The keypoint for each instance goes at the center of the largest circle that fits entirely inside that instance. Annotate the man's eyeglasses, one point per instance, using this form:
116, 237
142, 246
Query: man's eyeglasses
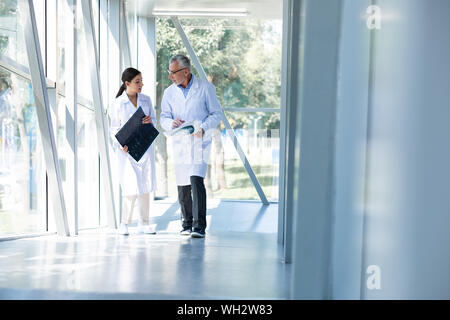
173, 72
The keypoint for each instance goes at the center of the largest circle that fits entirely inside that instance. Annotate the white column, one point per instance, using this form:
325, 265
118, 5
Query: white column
314, 135
225, 121
292, 56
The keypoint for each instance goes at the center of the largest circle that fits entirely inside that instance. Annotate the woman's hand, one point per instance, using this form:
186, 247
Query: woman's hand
146, 119
125, 149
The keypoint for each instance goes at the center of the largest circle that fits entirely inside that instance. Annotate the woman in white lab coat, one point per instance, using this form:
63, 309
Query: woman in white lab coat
137, 179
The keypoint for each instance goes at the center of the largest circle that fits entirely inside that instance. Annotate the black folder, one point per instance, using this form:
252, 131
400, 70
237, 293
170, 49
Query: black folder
137, 136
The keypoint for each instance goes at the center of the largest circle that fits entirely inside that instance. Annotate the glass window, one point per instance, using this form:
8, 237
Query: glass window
83, 60
60, 47
22, 172
12, 43
88, 157
88, 169
227, 177
242, 58
132, 17
64, 113
64, 146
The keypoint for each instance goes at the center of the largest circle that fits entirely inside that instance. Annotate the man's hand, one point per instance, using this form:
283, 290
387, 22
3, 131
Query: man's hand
146, 119
177, 122
125, 149
199, 133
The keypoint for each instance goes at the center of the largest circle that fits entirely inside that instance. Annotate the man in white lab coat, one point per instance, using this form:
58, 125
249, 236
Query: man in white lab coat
190, 99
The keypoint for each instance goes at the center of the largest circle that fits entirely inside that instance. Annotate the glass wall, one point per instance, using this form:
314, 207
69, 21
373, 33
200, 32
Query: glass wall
22, 172
23, 183
88, 169
88, 157
132, 18
12, 44
242, 58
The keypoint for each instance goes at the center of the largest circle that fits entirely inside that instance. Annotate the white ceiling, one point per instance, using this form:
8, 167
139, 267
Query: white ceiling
258, 9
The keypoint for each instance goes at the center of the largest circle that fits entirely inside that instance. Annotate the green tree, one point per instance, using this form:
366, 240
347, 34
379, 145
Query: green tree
241, 57
237, 57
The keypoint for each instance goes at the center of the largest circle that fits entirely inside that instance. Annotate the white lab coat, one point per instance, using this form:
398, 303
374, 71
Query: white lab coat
135, 178
191, 154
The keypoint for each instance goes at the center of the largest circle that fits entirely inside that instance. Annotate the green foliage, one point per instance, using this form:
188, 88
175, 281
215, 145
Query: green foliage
3, 43
242, 58
8, 7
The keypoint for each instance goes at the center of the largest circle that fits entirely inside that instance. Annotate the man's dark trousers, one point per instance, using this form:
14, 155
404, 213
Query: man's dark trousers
193, 208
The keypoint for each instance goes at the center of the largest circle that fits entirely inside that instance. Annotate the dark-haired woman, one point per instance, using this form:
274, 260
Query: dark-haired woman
137, 179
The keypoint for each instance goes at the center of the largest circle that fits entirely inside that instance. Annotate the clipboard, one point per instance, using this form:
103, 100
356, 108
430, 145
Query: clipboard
186, 128
136, 135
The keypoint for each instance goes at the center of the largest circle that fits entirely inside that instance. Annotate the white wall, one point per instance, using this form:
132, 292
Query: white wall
407, 210
392, 160
385, 202
350, 157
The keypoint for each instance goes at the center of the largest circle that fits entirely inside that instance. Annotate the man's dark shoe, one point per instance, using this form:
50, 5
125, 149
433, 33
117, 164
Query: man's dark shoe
198, 233
186, 231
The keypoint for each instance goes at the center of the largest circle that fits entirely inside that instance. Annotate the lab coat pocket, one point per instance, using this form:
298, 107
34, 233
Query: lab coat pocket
182, 151
197, 150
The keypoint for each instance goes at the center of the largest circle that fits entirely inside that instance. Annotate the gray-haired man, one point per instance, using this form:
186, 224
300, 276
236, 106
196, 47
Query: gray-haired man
190, 99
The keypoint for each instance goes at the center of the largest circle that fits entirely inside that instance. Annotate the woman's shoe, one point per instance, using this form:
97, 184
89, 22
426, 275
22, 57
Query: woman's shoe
147, 229
123, 229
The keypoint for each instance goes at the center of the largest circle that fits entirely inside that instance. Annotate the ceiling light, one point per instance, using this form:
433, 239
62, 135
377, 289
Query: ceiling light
198, 12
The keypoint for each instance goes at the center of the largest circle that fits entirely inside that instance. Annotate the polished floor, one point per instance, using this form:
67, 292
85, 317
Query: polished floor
238, 259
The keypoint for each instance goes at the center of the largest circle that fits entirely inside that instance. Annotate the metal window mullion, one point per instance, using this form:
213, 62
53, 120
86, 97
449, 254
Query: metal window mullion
103, 47
114, 65
100, 117
38, 80
71, 101
20, 70
14, 67
229, 130
124, 36
75, 116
